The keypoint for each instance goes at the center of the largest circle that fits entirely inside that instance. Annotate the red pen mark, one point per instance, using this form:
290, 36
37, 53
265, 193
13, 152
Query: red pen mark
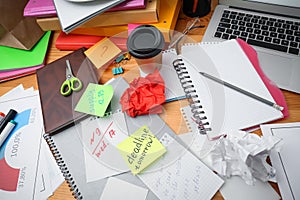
101, 149
104, 50
98, 132
102, 137
112, 133
92, 139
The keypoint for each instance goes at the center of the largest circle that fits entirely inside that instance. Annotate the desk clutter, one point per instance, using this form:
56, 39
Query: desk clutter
105, 135
98, 145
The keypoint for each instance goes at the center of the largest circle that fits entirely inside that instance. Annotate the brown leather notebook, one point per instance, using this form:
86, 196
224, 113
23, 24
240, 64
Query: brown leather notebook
58, 110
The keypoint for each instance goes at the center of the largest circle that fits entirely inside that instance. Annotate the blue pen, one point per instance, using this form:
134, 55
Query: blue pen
7, 130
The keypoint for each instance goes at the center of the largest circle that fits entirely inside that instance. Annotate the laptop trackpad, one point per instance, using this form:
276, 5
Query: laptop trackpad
277, 68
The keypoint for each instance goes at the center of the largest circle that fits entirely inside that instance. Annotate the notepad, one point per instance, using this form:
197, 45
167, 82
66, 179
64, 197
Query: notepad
219, 108
184, 178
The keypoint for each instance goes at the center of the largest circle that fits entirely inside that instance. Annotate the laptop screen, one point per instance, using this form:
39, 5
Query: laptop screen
288, 3
284, 7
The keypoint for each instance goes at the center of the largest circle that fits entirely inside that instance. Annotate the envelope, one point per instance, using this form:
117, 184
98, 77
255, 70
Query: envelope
16, 30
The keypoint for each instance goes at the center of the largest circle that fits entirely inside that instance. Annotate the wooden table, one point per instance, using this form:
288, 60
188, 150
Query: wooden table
63, 192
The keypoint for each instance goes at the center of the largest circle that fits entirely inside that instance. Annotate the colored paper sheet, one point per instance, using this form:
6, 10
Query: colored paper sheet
95, 99
102, 52
26, 58
141, 149
16, 73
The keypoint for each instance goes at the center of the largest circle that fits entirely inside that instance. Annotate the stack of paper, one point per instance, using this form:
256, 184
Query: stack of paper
27, 167
100, 13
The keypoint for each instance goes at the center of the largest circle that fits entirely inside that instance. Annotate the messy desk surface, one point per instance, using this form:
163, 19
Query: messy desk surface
171, 109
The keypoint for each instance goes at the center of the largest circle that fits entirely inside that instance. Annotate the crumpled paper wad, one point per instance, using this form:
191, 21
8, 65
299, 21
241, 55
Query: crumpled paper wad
243, 154
145, 95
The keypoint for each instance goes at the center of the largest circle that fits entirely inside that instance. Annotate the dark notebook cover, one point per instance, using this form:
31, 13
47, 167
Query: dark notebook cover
58, 110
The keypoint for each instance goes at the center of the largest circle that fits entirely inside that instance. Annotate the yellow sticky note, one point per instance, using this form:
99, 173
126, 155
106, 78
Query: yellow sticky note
102, 52
141, 149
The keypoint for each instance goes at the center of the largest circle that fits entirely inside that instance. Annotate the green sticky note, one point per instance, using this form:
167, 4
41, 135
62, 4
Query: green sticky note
95, 99
141, 149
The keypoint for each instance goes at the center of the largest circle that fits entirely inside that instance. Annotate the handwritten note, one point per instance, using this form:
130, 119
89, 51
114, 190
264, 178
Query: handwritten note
141, 149
100, 137
183, 178
95, 99
102, 52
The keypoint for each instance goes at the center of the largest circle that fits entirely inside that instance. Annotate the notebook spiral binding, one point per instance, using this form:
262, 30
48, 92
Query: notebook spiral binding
193, 99
63, 167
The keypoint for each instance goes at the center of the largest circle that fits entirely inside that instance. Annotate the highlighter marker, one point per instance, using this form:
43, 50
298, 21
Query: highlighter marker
10, 116
7, 130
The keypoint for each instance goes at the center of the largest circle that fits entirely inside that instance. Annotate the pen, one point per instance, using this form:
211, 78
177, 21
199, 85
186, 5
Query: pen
10, 115
7, 130
276, 106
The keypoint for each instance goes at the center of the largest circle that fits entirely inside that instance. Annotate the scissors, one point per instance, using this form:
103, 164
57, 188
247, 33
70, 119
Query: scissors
71, 83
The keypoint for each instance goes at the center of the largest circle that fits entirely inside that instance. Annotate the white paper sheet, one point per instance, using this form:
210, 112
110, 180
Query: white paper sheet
102, 159
185, 177
286, 161
235, 188
119, 189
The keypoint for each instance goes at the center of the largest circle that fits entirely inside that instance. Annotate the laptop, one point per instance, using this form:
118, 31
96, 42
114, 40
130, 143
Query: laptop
271, 27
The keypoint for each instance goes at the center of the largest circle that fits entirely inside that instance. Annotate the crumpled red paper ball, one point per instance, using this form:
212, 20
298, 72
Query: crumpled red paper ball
145, 95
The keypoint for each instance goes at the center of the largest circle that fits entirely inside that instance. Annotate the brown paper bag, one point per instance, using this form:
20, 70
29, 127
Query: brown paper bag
16, 30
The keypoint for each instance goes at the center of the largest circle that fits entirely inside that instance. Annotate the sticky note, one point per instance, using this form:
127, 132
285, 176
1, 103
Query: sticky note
102, 52
95, 99
141, 149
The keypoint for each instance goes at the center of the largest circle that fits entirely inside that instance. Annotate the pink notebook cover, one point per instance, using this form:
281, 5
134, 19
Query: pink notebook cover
275, 92
46, 8
12, 74
39, 8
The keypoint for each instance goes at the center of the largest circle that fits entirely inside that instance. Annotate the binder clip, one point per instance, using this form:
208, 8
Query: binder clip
117, 70
123, 57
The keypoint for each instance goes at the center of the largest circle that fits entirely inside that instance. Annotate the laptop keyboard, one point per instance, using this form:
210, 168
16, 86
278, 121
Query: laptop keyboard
267, 32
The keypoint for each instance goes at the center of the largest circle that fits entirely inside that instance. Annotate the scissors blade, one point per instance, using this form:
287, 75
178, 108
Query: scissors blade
69, 73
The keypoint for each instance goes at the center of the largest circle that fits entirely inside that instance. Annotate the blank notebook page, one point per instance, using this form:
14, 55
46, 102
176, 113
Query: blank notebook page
225, 108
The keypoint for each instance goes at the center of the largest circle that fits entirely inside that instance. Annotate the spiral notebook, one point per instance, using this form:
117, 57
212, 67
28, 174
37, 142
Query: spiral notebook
216, 108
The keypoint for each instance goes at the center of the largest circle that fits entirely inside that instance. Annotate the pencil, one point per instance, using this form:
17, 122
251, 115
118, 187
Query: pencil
254, 96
